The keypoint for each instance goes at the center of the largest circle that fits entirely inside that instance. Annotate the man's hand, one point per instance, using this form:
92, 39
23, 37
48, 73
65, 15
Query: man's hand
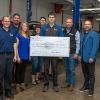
19, 60
75, 56
91, 60
14, 59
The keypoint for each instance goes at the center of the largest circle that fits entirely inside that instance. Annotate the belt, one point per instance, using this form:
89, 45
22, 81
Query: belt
6, 53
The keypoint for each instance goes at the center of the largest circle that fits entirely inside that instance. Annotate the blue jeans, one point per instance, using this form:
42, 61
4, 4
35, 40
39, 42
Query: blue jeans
70, 69
36, 65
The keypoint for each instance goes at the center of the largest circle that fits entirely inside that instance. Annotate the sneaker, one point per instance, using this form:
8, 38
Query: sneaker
56, 88
38, 81
90, 93
18, 88
83, 89
22, 86
45, 88
33, 82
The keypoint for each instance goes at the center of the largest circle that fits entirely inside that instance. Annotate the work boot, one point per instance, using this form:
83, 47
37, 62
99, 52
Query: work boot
71, 88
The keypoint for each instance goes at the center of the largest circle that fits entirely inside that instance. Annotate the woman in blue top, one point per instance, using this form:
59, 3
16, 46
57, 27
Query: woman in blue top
22, 56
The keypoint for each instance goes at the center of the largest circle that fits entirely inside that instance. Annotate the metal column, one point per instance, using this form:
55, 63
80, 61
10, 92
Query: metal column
28, 10
76, 13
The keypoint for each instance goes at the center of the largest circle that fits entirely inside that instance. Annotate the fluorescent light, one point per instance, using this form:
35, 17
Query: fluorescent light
71, 1
90, 9
98, 0
98, 19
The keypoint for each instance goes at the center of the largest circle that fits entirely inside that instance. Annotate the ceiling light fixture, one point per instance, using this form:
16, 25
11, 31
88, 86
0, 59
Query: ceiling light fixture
98, 19
90, 9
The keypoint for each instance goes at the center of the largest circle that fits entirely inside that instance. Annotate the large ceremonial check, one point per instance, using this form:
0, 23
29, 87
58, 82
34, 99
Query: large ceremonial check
49, 46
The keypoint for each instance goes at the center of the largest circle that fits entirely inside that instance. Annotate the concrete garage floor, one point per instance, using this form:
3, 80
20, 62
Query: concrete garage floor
35, 92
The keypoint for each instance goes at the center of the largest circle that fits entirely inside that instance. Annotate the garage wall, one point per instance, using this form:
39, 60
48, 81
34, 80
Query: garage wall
19, 7
4, 7
38, 9
42, 9
96, 25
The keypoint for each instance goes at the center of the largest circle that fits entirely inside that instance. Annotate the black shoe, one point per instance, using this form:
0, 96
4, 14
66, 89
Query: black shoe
90, 93
83, 89
9, 95
68, 85
56, 88
45, 88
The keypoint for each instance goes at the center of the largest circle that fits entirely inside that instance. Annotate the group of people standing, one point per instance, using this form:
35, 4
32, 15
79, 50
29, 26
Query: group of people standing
14, 54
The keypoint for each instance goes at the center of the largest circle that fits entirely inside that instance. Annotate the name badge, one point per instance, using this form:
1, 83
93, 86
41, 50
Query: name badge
55, 29
71, 34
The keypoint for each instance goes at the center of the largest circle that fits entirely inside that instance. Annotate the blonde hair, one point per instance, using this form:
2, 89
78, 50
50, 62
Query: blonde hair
20, 30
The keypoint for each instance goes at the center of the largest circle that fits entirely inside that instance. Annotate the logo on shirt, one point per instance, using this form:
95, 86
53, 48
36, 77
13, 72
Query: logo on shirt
71, 34
10, 34
55, 29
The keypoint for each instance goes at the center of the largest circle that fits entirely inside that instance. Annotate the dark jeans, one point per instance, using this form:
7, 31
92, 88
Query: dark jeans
89, 75
20, 71
36, 65
53, 61
6, 67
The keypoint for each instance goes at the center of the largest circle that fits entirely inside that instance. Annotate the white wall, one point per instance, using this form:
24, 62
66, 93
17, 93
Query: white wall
4, 8
38, 9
